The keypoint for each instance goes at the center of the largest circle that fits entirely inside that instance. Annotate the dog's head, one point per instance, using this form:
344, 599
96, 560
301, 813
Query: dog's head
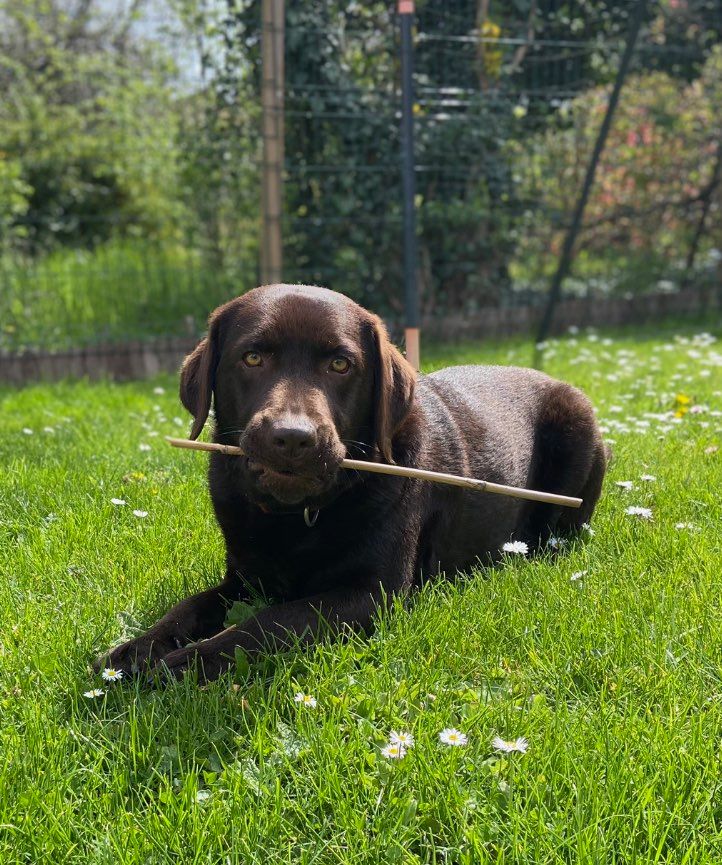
301, 377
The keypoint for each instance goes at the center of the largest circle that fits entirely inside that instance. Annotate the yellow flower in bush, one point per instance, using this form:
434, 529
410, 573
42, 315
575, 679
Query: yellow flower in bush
491, 56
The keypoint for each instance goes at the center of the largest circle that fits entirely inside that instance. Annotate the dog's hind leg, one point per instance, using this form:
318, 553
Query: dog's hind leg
571, 520
568, 458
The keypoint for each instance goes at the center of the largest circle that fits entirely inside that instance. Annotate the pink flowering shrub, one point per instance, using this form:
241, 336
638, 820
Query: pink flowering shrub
658, 161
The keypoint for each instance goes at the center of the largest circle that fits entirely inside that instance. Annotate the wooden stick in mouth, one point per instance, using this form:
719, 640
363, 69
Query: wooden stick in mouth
404, 472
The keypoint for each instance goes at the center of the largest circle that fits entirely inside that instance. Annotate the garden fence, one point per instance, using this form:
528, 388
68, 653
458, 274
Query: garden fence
509, 97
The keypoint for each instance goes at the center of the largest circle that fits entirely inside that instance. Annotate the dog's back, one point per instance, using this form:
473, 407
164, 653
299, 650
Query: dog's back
513, 426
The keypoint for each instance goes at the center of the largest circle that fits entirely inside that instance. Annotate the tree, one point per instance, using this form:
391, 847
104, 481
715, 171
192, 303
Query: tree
87, 118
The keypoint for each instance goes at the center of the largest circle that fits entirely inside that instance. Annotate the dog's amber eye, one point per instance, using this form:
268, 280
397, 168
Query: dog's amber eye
340, 364
252, 358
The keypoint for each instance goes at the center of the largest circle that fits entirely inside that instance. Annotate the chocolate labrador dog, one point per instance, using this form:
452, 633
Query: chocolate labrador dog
301, 377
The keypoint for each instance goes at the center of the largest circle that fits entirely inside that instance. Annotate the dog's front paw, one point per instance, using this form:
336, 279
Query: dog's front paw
137, 656
207, 661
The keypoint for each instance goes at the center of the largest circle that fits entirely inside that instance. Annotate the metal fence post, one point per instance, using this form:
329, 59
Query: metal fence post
272, 84
411, 294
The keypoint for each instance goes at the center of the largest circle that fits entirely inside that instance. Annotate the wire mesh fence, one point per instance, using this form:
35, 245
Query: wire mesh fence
507, 110
131, 206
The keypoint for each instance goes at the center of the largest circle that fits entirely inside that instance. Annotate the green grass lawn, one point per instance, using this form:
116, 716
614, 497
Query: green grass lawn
606, 658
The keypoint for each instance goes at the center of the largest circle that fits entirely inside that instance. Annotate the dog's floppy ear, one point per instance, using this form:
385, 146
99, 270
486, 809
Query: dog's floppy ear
394, 383
197, 378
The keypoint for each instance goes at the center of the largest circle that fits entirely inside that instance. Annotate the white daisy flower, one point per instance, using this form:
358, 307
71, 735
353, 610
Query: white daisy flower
517, 547
578, 575
305, 699
450, 736
48, 429
159, 390
648, 478
634, 511
203, 795
143, 447
624, 485
393, 751
588, 529
27, 431
681, 526
140, 514
406, 740
117, 501
92, 694
520, 745
112, 675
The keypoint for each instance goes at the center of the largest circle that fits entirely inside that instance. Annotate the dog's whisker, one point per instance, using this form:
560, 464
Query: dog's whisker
230, 431
352, 447
362, 446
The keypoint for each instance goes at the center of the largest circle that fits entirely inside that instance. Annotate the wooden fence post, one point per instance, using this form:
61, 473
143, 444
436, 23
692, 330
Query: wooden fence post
272, 84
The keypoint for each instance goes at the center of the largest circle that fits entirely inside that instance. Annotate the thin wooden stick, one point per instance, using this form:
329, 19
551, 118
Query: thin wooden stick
404, 472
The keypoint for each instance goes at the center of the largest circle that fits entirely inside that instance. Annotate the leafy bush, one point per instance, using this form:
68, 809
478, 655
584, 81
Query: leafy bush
88, 117
651, 182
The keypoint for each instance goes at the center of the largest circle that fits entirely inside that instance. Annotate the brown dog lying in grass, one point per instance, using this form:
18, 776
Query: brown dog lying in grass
301, 377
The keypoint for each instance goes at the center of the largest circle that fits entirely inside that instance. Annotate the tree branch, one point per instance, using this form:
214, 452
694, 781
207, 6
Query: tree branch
522, 50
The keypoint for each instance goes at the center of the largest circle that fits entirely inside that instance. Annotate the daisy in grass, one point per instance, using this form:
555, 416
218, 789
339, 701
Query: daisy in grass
143, 447
305, 700
588, 529
140, 514
578, 575
450, 736
556, 543
393, 751
92, 694
406, 740
643, 513
520, 745
648, 478
117, 501
516, 547
112, 675
624, 485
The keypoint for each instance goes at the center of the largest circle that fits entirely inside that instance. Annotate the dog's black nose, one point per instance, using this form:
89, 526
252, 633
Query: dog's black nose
292, 436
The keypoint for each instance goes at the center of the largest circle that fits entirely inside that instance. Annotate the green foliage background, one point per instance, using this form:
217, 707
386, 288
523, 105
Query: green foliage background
130, 155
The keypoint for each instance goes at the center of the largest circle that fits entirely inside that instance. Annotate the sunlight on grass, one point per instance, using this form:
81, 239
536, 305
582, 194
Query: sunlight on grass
604, 659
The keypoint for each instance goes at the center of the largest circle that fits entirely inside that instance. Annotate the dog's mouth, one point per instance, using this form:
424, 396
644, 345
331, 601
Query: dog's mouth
286, 484
263, 470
